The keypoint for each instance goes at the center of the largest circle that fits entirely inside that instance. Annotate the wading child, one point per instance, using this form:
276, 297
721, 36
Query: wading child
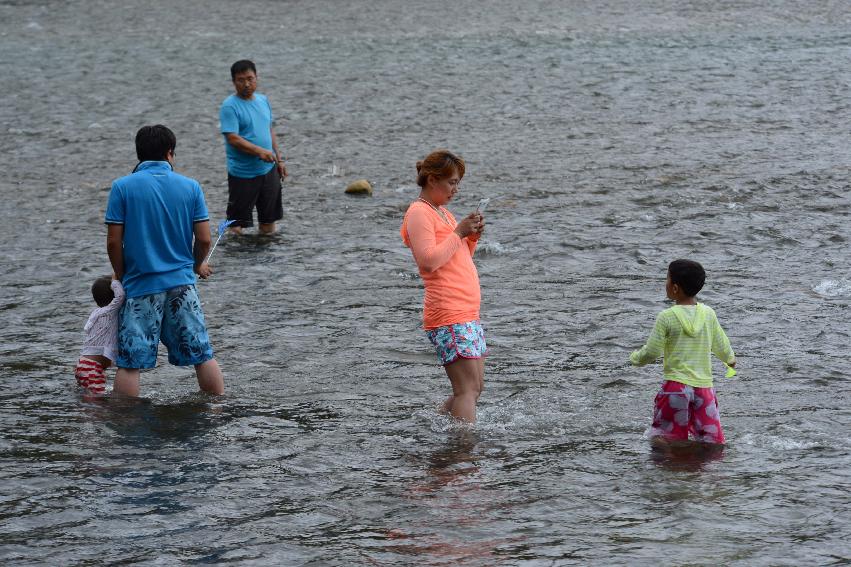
101, 335
685, 335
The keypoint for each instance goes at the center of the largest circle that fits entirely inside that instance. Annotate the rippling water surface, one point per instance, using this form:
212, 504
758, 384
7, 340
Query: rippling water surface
613, 138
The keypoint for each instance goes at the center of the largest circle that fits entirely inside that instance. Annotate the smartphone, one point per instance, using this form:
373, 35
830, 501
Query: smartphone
483, 203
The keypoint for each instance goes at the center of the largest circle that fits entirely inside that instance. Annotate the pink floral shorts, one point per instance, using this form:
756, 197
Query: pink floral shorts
682, 410
465, 340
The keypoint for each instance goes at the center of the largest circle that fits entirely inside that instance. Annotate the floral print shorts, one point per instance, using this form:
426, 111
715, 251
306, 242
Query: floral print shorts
683, 410
173, 316
465, 340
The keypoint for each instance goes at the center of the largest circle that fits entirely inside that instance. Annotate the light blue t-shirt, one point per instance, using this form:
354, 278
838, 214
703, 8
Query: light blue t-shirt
159, 209
252, 120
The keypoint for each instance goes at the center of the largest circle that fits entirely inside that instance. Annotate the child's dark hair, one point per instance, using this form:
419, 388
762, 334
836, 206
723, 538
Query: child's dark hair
102, 291
687, 274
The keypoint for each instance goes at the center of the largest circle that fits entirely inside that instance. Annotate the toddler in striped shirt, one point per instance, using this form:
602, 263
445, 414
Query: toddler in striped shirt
101, 335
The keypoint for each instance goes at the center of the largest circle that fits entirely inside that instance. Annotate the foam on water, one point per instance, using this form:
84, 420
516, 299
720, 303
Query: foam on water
833, 288
777, 442
491, 248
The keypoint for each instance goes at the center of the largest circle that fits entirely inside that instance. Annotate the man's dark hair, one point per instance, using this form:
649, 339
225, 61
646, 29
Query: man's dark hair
687, 274
154, 142
241, 66
102, 291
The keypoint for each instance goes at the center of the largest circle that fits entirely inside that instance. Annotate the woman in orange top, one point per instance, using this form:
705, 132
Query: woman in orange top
443, 249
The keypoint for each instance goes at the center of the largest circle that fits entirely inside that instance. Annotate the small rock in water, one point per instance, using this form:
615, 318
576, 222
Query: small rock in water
359, 187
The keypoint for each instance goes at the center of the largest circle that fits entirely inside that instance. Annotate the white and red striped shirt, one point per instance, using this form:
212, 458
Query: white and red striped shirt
101, 330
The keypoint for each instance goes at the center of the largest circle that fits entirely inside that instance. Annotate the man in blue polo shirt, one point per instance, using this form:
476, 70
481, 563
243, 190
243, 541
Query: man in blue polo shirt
152, 216
255, 168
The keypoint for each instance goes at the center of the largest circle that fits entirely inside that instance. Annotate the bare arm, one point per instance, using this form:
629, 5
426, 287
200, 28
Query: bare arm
115, 248
282, 169
247, 147
274, 142
201, 247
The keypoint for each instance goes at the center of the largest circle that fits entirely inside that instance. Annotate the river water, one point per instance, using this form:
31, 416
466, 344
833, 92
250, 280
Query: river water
612, 136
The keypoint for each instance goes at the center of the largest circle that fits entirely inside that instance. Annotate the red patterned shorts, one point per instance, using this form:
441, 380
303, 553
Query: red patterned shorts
91, 375
683, 410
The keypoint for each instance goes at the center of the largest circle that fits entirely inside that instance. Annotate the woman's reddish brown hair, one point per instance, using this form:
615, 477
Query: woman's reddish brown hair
440, 164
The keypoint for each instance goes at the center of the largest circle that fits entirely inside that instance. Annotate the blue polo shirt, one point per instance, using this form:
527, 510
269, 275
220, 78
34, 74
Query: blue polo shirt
252, 120
158, 209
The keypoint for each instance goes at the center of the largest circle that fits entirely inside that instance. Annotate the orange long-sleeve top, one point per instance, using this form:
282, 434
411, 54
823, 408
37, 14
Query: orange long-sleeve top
445, 262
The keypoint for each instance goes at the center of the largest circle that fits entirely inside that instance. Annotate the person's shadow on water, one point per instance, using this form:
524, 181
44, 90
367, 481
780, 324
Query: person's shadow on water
686, 456
143, 422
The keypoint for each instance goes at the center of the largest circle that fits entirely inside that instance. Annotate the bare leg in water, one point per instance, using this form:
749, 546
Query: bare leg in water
467, 376
209, 375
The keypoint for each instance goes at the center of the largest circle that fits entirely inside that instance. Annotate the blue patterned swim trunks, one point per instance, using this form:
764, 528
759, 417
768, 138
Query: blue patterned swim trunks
465, 340
173, 316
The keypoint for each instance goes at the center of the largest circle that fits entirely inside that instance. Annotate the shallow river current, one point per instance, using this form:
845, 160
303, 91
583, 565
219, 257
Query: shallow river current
612, 136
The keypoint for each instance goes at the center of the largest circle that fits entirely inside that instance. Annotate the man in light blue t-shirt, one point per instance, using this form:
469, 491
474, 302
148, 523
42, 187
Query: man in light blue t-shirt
158, 238
255, 167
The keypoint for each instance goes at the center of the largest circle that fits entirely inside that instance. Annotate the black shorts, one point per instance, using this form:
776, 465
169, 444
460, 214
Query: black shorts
263, 191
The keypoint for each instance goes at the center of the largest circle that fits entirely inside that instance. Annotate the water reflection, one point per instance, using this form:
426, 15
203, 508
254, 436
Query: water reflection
140, 421
453, 462
686, 456
452, 490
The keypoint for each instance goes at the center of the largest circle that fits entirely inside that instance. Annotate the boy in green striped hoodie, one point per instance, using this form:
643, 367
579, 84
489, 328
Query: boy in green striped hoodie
686, 335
